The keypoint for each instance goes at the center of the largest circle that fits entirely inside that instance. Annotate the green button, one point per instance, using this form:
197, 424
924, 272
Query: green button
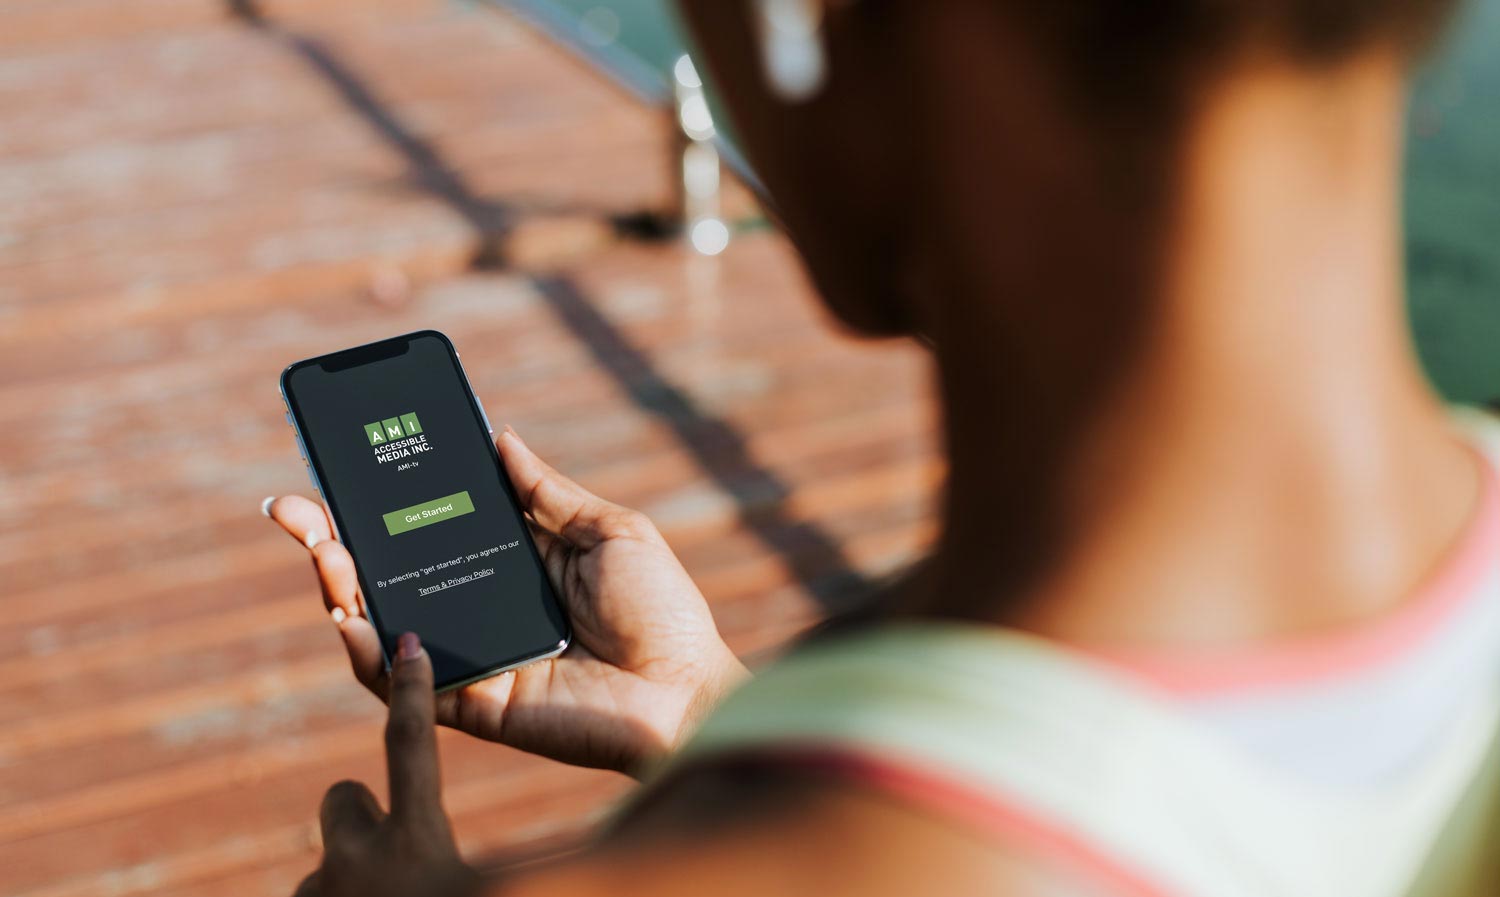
428, 513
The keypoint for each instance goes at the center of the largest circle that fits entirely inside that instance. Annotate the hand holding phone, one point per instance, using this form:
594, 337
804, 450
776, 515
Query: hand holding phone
646, 658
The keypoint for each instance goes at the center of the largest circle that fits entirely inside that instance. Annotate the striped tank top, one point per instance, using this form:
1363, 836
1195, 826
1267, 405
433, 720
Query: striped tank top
1359, 765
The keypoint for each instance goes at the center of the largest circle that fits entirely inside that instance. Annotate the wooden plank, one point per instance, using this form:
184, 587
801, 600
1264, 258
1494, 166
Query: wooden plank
187, 203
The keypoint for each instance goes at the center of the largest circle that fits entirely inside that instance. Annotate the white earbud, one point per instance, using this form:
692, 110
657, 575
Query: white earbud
791, 47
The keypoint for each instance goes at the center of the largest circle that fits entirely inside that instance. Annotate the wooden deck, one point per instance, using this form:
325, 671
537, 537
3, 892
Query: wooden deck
193, 195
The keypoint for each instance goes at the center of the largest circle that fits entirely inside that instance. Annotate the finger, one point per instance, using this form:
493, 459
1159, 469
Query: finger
410, 736
336, 575
305, 520
479, 708
349, 816
554, 552
557, 554
363, 645
341, 596
560, 505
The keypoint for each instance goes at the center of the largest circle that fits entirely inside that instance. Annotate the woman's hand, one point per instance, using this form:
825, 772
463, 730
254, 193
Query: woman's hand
646, 660
370, 853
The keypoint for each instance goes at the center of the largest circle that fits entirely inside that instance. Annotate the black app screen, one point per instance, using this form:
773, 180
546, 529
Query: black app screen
415, 486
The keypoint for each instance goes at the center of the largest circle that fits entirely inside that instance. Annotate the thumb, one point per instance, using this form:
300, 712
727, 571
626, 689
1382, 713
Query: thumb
558, 504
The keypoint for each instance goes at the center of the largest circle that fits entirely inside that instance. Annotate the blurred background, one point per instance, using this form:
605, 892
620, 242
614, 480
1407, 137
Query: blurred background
194, 194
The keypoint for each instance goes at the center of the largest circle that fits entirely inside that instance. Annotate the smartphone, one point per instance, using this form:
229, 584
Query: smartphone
403, 455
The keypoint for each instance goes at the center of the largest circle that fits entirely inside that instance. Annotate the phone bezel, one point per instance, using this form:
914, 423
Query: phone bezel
391, 347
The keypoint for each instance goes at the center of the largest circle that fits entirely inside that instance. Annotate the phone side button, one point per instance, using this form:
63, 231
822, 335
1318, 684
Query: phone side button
485, 415
314, 480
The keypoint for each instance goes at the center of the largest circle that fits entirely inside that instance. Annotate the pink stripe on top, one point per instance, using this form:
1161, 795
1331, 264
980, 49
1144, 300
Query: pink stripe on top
924, 785
1440, 599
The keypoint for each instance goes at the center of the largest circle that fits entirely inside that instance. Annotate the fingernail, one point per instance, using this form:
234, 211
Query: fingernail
408, 646
311, 541
513, 434
338, 615
265, 504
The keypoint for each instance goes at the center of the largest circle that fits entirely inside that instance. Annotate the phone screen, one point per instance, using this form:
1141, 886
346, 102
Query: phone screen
406, 464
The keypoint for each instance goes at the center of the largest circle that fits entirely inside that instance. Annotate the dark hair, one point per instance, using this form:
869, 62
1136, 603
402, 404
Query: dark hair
1131, 67
1114, 50
1319, 31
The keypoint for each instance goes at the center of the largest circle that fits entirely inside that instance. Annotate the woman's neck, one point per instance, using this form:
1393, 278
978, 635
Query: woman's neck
1271, 461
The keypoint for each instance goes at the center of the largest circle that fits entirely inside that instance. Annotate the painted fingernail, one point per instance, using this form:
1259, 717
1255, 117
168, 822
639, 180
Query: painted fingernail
311, 541
408, 646
338, 615
265, 504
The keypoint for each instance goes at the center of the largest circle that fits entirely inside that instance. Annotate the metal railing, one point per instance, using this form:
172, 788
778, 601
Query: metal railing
657, 69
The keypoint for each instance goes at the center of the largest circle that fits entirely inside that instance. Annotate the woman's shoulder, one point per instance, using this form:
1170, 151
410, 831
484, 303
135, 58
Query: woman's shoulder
732, 831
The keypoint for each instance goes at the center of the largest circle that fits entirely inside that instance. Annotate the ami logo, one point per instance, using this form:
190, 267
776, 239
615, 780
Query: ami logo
391, 428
